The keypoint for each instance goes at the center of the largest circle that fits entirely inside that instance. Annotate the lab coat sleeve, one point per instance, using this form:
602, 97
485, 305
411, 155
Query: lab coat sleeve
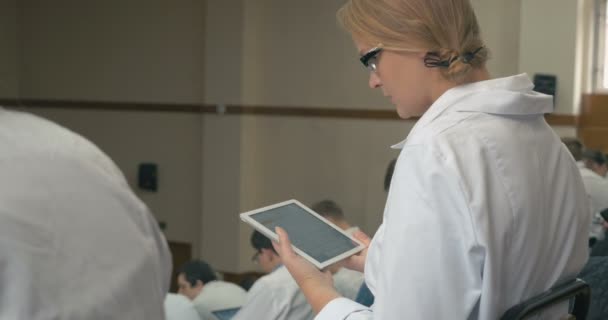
427, 262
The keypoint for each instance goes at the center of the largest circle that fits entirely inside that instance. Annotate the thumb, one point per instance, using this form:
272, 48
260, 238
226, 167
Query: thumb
283, 247
362, 237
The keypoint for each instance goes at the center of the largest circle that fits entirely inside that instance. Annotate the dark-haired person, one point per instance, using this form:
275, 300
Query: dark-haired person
198, 281
593, 167
595, 161
275, 296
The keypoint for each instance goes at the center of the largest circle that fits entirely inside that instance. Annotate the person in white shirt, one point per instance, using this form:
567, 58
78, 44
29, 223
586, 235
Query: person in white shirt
592, 171
75, 241
198, 281
596, 161
275, 296
347, 282
178, 307
486, 207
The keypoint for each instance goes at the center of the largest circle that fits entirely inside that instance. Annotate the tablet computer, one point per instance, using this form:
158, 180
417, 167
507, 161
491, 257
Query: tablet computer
313, 237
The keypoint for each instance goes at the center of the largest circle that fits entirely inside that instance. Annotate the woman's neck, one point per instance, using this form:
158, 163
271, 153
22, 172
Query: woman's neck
477, 75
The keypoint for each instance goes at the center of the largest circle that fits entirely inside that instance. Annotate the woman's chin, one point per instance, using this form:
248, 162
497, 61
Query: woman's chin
403, 114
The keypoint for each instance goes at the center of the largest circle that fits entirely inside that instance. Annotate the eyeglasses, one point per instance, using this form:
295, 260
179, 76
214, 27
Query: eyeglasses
256, 257
370, 59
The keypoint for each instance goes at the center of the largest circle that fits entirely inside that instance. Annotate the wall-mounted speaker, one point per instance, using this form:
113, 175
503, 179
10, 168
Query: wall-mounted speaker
546, 83
147, 176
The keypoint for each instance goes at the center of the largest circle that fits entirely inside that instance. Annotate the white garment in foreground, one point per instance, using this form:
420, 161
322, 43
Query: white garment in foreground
219, 295
275, 296
596, 187
75, 242
486, 209
178, 307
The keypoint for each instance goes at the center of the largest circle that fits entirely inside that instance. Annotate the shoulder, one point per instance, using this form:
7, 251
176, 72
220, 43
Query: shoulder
224, 286
277, 281
24, 135
179, 307
33, 132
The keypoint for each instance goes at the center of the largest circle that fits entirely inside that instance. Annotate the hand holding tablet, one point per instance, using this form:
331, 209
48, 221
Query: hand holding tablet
312, 236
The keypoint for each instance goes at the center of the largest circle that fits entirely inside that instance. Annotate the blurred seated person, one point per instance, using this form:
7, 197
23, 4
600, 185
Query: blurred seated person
275, 296
591, 166
75, 241
595, 161
178, 307
198, 281
347, 282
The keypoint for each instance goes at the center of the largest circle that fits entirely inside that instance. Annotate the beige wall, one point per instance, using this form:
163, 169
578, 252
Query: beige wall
138, 50
548, 44
294, 53
9, 49
221, 197
565, 131
500, 24
585, 35
223, 55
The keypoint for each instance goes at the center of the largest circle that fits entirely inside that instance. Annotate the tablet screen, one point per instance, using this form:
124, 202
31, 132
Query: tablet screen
306, 232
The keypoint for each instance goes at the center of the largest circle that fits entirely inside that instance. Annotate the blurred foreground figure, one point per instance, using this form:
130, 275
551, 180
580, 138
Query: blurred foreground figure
75, 242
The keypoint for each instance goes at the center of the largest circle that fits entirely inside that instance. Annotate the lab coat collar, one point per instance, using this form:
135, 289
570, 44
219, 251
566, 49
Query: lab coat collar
503, 96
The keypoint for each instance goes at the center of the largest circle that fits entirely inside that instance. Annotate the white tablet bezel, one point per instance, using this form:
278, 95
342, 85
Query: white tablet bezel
246, 217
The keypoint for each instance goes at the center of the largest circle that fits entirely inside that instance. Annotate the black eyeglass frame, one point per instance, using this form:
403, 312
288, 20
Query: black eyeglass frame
431, 60
370, 58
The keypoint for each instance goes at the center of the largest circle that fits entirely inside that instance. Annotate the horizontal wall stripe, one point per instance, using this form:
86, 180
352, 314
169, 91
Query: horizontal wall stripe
287, 111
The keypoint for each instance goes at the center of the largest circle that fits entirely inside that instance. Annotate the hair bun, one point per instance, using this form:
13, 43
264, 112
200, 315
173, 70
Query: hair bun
455, 65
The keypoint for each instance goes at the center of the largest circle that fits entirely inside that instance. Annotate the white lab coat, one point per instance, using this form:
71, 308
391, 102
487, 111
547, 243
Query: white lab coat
597, 189
219, 295
275, 296
178, 307
75, 242
486, 209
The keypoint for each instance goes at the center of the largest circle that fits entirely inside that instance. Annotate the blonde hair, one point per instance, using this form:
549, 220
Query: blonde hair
446, 28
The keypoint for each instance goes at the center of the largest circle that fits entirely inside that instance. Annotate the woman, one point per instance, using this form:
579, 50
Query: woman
486, 207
